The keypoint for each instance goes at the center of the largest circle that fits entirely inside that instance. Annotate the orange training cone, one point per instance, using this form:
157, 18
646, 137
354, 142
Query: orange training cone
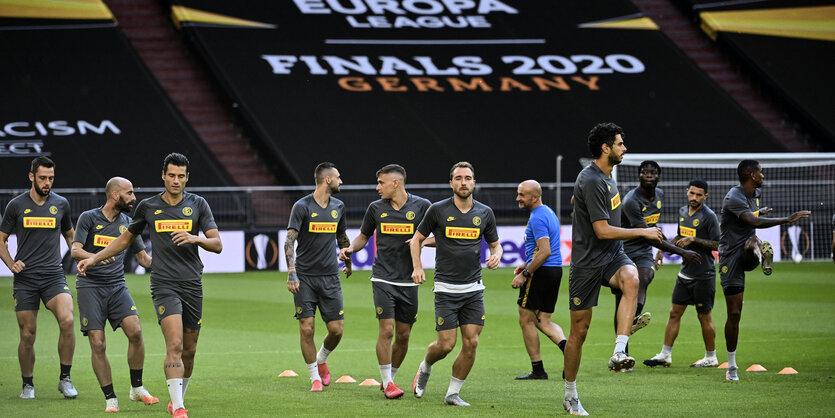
755, 368
288, 373
370, 382
723, 365
788, 370
346, 379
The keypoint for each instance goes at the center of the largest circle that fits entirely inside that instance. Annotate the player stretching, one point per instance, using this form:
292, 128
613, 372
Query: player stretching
597, 256
458, 224
316, 220
103, 294
538, 279
40, 217
174, 219
698, 229
394, 219
739, 248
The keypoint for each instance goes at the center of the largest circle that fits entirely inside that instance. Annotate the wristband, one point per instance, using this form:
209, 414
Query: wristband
526, 273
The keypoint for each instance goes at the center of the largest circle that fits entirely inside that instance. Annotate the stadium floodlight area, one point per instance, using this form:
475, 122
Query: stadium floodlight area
793, 181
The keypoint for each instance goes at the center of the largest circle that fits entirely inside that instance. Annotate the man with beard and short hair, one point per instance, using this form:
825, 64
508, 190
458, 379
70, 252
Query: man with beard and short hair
102, 292
538, 279
642, 209
175, 219
597, 257
316, 220
458, 225
698, 228
40, 217
393, 219
739, 248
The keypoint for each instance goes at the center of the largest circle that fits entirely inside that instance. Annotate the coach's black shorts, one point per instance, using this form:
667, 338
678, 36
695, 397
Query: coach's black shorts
584, 283
700, 293
179, 298
106, 303
539, 293
398, 302
29, 292
455, 309
323, 292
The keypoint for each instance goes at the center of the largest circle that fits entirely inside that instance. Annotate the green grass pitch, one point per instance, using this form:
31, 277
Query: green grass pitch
249, 336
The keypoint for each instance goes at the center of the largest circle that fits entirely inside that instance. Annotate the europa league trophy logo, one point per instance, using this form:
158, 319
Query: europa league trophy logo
261, 252
261, 242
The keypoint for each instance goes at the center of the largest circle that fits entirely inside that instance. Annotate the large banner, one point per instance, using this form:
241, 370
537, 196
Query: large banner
505, 84
73, 89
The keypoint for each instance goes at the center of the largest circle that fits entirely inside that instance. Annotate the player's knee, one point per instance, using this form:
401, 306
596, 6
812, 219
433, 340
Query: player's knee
174, 346
189, 352
98, 345
27, 336
403, 336
734, 315
135, 337
65, 323
470, 343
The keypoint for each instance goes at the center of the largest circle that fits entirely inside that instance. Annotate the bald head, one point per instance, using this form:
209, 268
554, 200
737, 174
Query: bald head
116, 184
528, 194
119, 192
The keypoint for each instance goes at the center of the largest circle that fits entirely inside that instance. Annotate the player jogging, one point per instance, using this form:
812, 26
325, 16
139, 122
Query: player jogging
392, 220
102, 293
458, 224
40, 218
174, 219
317, 221
698, 229
739, 248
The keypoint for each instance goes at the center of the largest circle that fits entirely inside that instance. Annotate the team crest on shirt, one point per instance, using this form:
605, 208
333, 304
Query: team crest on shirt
476, 221
658, 204
298, 309
410, 215
53, 210
161, 309
187, 211
724, 269
84, 321
122, 229
576, 301
384, 214
379, 310
27, 211
334, 214
695, 222
440, 320
99, 226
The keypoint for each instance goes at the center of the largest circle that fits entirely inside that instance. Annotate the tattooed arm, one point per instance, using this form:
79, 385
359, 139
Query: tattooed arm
344, 242
290, 256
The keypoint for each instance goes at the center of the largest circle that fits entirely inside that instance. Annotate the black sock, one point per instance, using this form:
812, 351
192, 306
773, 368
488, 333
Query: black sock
640, 308
136, 378
65, 370
28, 380
108, 391
537, 367
561, 345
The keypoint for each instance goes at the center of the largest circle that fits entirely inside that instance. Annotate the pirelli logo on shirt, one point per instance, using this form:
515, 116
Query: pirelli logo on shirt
322, 227
616, 201
38, 222
687, 232
462, 233
102, 240
398, 229
652, 219
172, 225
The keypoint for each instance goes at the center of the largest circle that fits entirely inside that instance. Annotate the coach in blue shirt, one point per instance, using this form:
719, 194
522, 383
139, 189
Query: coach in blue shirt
538, 279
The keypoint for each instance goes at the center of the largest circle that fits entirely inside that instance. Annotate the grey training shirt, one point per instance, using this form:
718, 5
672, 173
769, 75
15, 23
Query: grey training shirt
316, 253
393, 260
39, 232
94, 231
734, 232
636, 209
458, 239
172, 262
596, 198
703, 225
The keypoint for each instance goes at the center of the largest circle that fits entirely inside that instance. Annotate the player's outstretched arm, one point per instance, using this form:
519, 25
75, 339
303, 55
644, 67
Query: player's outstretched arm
290, 257
6, 256
759, 223
115, 247
415, 246
605, 231
357, 244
